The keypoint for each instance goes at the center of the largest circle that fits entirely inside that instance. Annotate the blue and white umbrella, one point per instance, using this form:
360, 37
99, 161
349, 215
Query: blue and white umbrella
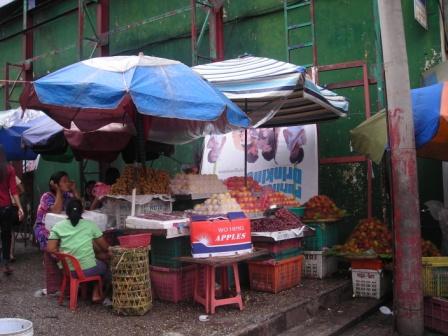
273, 93
13, 123
181, 106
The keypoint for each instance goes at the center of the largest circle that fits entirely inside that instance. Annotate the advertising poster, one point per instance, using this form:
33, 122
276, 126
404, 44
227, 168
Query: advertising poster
283, 158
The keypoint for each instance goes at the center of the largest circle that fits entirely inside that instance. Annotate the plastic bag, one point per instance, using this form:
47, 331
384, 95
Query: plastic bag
440, 213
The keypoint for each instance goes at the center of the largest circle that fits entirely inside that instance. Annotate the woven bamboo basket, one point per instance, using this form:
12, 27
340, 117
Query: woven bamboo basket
130, 281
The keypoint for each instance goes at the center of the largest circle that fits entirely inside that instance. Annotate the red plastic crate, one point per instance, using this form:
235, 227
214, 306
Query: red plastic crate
136, 240
275, 276
280, 246
372, 264
436, 314
173, 285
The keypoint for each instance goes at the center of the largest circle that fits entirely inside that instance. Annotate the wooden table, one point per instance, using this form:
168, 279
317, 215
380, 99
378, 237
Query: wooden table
209, 266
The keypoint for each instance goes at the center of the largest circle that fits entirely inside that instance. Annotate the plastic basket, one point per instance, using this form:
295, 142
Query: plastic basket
369, 283
275, 276
317, 265
435, 276
280, 246
173, 285
326, 235
134, 241
436, 314
165, 251
372, 264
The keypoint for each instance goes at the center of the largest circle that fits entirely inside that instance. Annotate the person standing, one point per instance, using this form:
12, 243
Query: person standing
9, 214
20, 191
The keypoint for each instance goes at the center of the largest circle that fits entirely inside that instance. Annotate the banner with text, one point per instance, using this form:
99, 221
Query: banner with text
284, 158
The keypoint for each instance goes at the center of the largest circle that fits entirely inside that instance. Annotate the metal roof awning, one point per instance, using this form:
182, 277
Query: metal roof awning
273, 93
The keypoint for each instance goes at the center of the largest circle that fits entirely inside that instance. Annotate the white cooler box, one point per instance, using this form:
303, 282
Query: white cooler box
98, 218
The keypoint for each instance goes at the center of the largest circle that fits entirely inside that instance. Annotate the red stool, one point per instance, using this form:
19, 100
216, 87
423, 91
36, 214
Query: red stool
74, 282
207, 297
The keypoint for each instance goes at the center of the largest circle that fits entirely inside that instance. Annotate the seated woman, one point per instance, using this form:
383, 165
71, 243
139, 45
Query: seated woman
54, 201
77, 236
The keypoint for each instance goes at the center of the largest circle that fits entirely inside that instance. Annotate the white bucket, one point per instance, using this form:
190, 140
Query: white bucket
15, 327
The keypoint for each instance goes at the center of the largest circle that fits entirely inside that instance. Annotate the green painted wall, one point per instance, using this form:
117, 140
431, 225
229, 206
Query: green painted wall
345, 31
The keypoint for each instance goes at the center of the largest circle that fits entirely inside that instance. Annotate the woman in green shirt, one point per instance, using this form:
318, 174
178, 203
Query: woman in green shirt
77, 237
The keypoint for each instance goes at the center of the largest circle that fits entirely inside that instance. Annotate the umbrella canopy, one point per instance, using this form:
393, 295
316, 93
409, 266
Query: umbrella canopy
47, 137
104, 90
273, 93
370, 137
13, 123
430, 114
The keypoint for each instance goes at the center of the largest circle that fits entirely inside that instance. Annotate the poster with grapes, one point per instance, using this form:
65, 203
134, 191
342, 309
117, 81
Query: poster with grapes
283, 158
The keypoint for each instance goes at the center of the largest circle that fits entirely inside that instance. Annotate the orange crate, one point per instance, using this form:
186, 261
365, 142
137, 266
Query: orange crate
275, 276
370, 264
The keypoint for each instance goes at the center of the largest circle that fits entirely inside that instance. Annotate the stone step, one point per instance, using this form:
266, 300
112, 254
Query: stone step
336, 319
299, 313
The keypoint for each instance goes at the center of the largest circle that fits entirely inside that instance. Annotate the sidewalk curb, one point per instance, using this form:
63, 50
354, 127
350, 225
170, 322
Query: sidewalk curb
302, 311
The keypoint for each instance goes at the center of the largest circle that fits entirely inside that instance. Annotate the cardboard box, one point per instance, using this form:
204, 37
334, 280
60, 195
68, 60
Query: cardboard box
222, 235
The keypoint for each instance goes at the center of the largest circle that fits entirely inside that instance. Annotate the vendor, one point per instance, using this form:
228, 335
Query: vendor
78, 237
111, 176
54, 201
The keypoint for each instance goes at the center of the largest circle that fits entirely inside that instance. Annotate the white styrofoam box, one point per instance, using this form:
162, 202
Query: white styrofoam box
317, 265
118, 208
135, 222
98, 218
370, 283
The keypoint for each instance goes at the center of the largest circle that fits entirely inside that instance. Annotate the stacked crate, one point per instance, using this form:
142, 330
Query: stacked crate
316, 263
435, 290
369, 278
280, 269
171, 280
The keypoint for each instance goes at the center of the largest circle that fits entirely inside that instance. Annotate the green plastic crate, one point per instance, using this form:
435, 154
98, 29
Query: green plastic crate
284, 254
164, 251
326, 235
300, 211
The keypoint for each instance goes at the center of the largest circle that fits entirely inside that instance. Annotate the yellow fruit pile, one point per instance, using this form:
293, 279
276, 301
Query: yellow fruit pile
146, 180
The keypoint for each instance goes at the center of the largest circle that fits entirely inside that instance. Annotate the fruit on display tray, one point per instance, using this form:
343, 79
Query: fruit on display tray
190, 184
217, 204
429, 249
250, 204
281, 219
322, 207
280, 199
146, 180
254, 199
370, 236
238, 182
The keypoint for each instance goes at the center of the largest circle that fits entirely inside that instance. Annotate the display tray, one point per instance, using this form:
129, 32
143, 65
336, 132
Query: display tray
323, 220
282, 235
189, 197
140, 222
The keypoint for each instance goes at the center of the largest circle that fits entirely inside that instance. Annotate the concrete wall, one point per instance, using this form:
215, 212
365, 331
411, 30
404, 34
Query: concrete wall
345, 31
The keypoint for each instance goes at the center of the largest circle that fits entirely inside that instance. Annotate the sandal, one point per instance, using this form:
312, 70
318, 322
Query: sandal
7, 270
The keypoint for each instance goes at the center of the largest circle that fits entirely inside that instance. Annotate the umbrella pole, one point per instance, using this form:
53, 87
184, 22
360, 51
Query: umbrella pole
245, 147
245, 157
140, 138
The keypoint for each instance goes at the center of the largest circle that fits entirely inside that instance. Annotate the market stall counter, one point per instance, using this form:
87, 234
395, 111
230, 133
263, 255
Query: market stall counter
209, 267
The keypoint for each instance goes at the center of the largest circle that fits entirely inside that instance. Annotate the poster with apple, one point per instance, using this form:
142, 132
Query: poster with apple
283, 158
